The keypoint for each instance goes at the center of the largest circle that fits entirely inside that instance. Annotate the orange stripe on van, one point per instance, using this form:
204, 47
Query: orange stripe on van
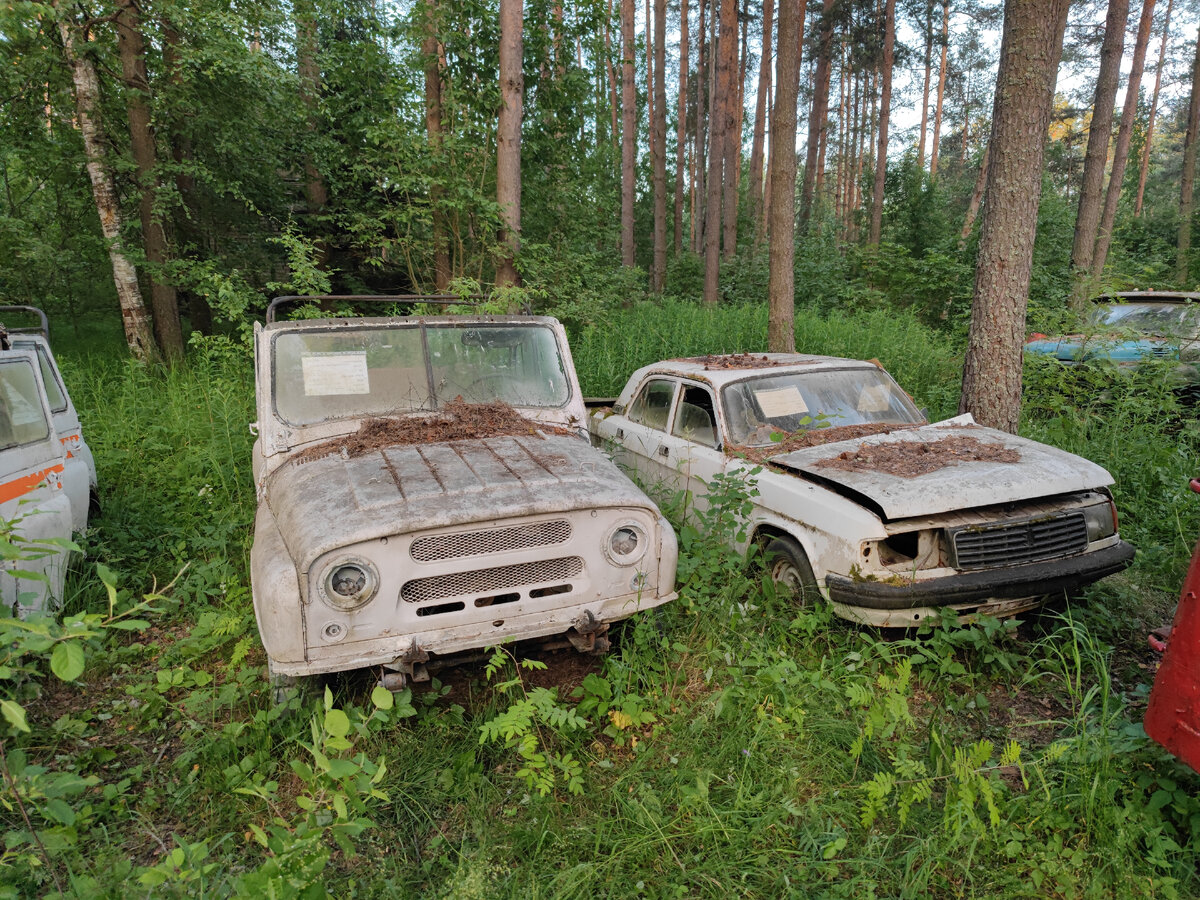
18, 487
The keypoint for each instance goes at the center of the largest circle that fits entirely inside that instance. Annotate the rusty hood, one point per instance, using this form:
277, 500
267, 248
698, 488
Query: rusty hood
334, 501
1037, 471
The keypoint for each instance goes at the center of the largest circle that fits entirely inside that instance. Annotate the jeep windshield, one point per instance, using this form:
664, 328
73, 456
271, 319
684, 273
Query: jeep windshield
798, 401
349, 372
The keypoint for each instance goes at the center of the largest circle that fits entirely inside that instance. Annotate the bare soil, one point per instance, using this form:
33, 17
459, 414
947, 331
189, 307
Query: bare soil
908, 459
735, 361
457, 421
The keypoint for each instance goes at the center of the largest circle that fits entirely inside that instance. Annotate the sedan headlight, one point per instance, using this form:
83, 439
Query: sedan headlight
1101, 520
626, 544
349, 583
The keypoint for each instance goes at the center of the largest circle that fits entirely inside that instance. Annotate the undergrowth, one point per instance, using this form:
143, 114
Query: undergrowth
730, 745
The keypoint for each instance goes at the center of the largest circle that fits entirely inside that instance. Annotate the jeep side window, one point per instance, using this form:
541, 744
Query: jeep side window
653, 404
22, 420
695, 420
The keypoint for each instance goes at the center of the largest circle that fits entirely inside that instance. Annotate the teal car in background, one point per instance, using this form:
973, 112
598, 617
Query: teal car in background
1130, 327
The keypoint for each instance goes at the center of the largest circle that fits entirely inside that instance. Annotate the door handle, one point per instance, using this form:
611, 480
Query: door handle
664, 450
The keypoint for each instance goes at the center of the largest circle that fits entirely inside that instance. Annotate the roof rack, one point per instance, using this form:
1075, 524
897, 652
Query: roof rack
43, 328
438, 299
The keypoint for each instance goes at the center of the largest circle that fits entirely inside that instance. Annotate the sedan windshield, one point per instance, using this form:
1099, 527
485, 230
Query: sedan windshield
799, 401
1162, 319
345, 373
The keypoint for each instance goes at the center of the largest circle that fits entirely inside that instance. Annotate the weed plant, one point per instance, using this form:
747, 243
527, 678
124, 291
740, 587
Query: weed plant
731, 746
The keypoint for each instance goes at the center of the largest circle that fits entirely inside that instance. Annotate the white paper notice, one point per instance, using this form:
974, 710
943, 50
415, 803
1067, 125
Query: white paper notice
781, 402
329, 374
875, 398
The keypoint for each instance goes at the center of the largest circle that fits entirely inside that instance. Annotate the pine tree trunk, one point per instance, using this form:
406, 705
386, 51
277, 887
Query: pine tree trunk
928, 79
726, 61
976, 197
1124, 138
1030, 50
681, 125
168, 331
659, 265
650, 80
138, 332
613, 105
628, 132
760, 119
700, 138
885, 106
941, 92
433, 132
1188, 179
731, 102
1145, 166
508, 140
781, 291
816, 117
1095, 159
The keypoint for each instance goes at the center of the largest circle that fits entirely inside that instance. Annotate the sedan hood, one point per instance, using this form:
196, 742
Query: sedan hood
1039, 471
333, 501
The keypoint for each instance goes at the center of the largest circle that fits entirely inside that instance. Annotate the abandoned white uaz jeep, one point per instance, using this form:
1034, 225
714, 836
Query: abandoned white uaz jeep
426, 488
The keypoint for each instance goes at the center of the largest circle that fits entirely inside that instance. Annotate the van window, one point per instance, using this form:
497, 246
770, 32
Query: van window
22, 418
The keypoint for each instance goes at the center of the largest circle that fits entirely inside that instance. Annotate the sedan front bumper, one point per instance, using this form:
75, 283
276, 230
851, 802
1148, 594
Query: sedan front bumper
1012, 583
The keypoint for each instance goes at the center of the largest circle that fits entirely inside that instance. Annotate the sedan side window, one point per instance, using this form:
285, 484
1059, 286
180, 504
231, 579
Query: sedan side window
653, 404
695, 420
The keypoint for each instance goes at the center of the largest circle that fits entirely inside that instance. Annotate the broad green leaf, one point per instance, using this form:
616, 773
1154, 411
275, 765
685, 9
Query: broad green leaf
15, 713
337, 723
382, 697
67, 661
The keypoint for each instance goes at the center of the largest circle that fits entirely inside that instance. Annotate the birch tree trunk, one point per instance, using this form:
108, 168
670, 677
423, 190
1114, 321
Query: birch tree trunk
658, 267
138, 332
1030, 50
1145, 166
885, 106
508, 139
1124, 138
1095, 158
1188, 179
628, 132
781, 290
168, 330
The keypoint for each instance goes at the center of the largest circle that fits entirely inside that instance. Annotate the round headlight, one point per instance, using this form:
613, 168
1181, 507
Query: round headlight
626, 544
349, 583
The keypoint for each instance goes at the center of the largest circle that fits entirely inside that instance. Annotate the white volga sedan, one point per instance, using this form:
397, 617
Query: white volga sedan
860, 501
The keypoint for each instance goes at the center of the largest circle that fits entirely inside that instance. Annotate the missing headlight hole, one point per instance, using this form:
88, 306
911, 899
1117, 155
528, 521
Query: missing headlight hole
901, 546
551, 591
440, 608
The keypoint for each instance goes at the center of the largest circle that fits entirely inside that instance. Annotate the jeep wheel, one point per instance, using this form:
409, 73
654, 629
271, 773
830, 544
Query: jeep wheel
790, 571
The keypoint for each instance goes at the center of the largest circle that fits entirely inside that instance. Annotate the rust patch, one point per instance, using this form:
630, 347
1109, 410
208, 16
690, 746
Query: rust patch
815, 437
735, 361
457, 421
908, 459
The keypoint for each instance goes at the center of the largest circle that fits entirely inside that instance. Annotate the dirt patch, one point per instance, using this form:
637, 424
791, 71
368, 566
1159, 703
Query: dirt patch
457, 421
815, 437
908, 459
735, 361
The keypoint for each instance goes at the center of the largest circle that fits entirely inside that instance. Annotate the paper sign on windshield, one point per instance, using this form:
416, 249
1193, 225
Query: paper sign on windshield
874, 398
328, 374
781, 402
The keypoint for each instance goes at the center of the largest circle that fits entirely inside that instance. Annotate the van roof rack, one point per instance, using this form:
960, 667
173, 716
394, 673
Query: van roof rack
438, 299
43, 328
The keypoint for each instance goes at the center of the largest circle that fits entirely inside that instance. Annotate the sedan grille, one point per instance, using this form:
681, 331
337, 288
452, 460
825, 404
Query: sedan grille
489, 581
1014, 543
496, 540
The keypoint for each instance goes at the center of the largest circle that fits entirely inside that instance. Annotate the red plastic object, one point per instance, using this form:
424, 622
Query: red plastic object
1173, 715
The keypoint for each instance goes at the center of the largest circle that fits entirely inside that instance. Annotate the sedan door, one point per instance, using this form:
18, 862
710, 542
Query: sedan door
696, 442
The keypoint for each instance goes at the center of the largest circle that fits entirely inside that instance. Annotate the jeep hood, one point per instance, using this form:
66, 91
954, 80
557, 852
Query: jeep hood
1040, 471
333, 501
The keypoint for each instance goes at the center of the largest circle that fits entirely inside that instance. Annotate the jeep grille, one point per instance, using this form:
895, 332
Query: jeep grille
1013, 543
495, 540
488, 581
